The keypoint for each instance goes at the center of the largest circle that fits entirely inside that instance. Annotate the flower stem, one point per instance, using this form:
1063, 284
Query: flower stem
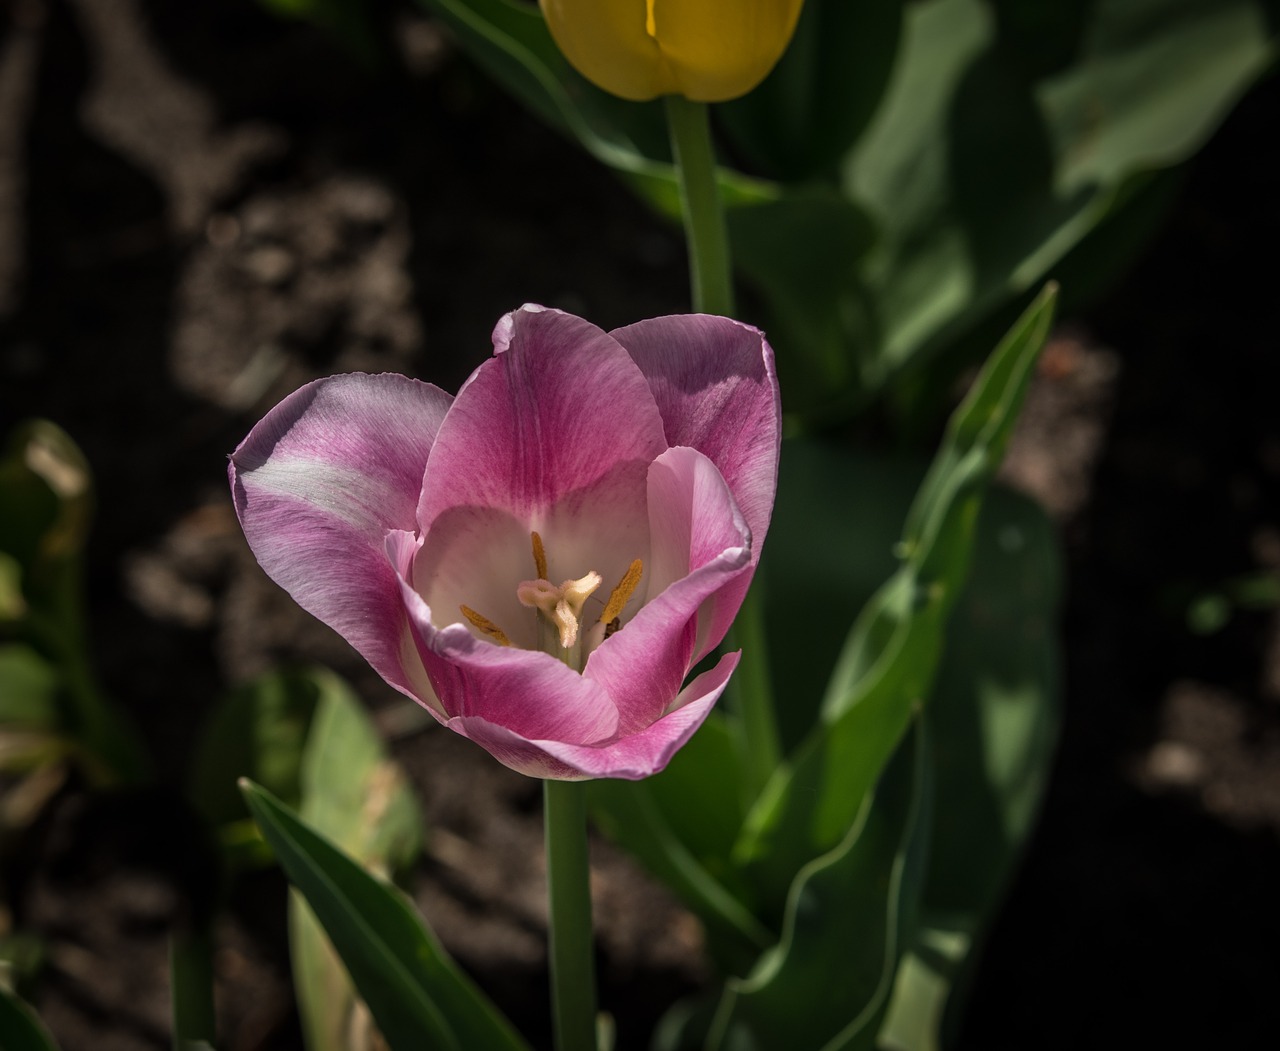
711, 275
704, 227
573, 982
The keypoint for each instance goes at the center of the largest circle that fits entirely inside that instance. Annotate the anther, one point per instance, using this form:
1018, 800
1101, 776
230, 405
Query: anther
539, 556
621, 595
485, 626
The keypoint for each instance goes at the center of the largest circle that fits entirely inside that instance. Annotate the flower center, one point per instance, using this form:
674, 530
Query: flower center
559, 610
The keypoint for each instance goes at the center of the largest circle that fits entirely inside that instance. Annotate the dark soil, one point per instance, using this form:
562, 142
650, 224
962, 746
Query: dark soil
202, 207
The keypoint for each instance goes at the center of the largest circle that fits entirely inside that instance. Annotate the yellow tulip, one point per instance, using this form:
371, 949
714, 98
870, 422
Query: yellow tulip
706, 50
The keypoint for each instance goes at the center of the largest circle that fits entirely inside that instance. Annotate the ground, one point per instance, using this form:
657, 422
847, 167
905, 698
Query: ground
202, 207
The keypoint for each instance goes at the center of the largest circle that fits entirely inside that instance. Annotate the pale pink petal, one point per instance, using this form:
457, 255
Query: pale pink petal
717, 390
557, 409
530, 693
700, 548
317, 485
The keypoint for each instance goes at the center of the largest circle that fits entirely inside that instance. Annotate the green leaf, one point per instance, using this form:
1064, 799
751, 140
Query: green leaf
21, 1029
1007, 135
827, 983
887, 666
993, 717
416, 994
355, 795
28, 689
681, 824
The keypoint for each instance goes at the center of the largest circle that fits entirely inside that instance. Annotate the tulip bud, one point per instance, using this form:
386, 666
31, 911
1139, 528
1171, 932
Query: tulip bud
706, 50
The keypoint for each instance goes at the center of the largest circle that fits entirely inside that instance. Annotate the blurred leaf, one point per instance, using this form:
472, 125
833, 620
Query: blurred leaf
821, 94
804, 255
827, 983
356, 796
28, 689
682, 824
888, 662
258, 731
417, 995
914, 1021
19, 1026
982, 168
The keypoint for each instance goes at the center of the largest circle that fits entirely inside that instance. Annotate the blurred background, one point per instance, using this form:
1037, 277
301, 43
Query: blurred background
204, 205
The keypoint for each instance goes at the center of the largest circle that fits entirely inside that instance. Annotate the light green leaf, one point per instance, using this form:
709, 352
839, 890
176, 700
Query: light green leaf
888, 663
416, 994
355, 795
827, 983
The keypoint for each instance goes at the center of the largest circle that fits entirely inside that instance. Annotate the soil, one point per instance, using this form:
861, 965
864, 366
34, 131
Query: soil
203, 206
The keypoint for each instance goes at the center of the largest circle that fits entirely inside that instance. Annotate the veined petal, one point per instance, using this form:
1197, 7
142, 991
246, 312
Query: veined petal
701, 548
527, 692
717, 390
558, 409
317, 485
648, 750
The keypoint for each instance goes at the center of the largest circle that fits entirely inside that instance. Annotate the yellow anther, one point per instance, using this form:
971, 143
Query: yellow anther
485, 626
539, 556
622, 593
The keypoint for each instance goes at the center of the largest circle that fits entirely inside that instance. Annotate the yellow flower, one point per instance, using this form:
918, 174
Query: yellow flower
706, 50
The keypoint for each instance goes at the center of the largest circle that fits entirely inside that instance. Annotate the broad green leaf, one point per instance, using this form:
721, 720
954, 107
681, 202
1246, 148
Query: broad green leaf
886, 668
993, 717
20, 1028
417, 995
681, 824
1002, 142
355, 795
827, 983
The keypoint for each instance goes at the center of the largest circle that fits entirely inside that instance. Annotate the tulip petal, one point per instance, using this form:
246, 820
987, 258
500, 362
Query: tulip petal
556, 429
717, 390
630, 757
606, 41
527, 692
700, 548
319, 482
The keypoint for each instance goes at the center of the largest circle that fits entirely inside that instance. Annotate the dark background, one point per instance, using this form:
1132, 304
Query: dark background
202, 207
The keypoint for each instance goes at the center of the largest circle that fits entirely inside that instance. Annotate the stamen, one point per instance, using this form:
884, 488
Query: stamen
539, 556
485, 626
622, 593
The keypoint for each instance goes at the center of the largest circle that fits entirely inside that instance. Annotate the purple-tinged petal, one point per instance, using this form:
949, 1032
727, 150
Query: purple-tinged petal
559, 407
701, 547
717, 390
529, 693
317, 485
649, 750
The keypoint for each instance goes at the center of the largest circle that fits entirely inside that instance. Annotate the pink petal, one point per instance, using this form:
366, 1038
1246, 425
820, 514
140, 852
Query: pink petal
557, 409
717, 390
632, 757
317, 485
527, 692
701, 548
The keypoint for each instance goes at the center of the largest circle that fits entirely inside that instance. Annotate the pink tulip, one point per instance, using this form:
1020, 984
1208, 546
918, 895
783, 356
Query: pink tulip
541, 560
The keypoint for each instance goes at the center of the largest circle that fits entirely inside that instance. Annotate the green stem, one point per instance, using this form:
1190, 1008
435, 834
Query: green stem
711, 275
573, 982
704, 228
191, 982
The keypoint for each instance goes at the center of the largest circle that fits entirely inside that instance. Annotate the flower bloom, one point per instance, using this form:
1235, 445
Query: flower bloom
541, 560
707, 50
